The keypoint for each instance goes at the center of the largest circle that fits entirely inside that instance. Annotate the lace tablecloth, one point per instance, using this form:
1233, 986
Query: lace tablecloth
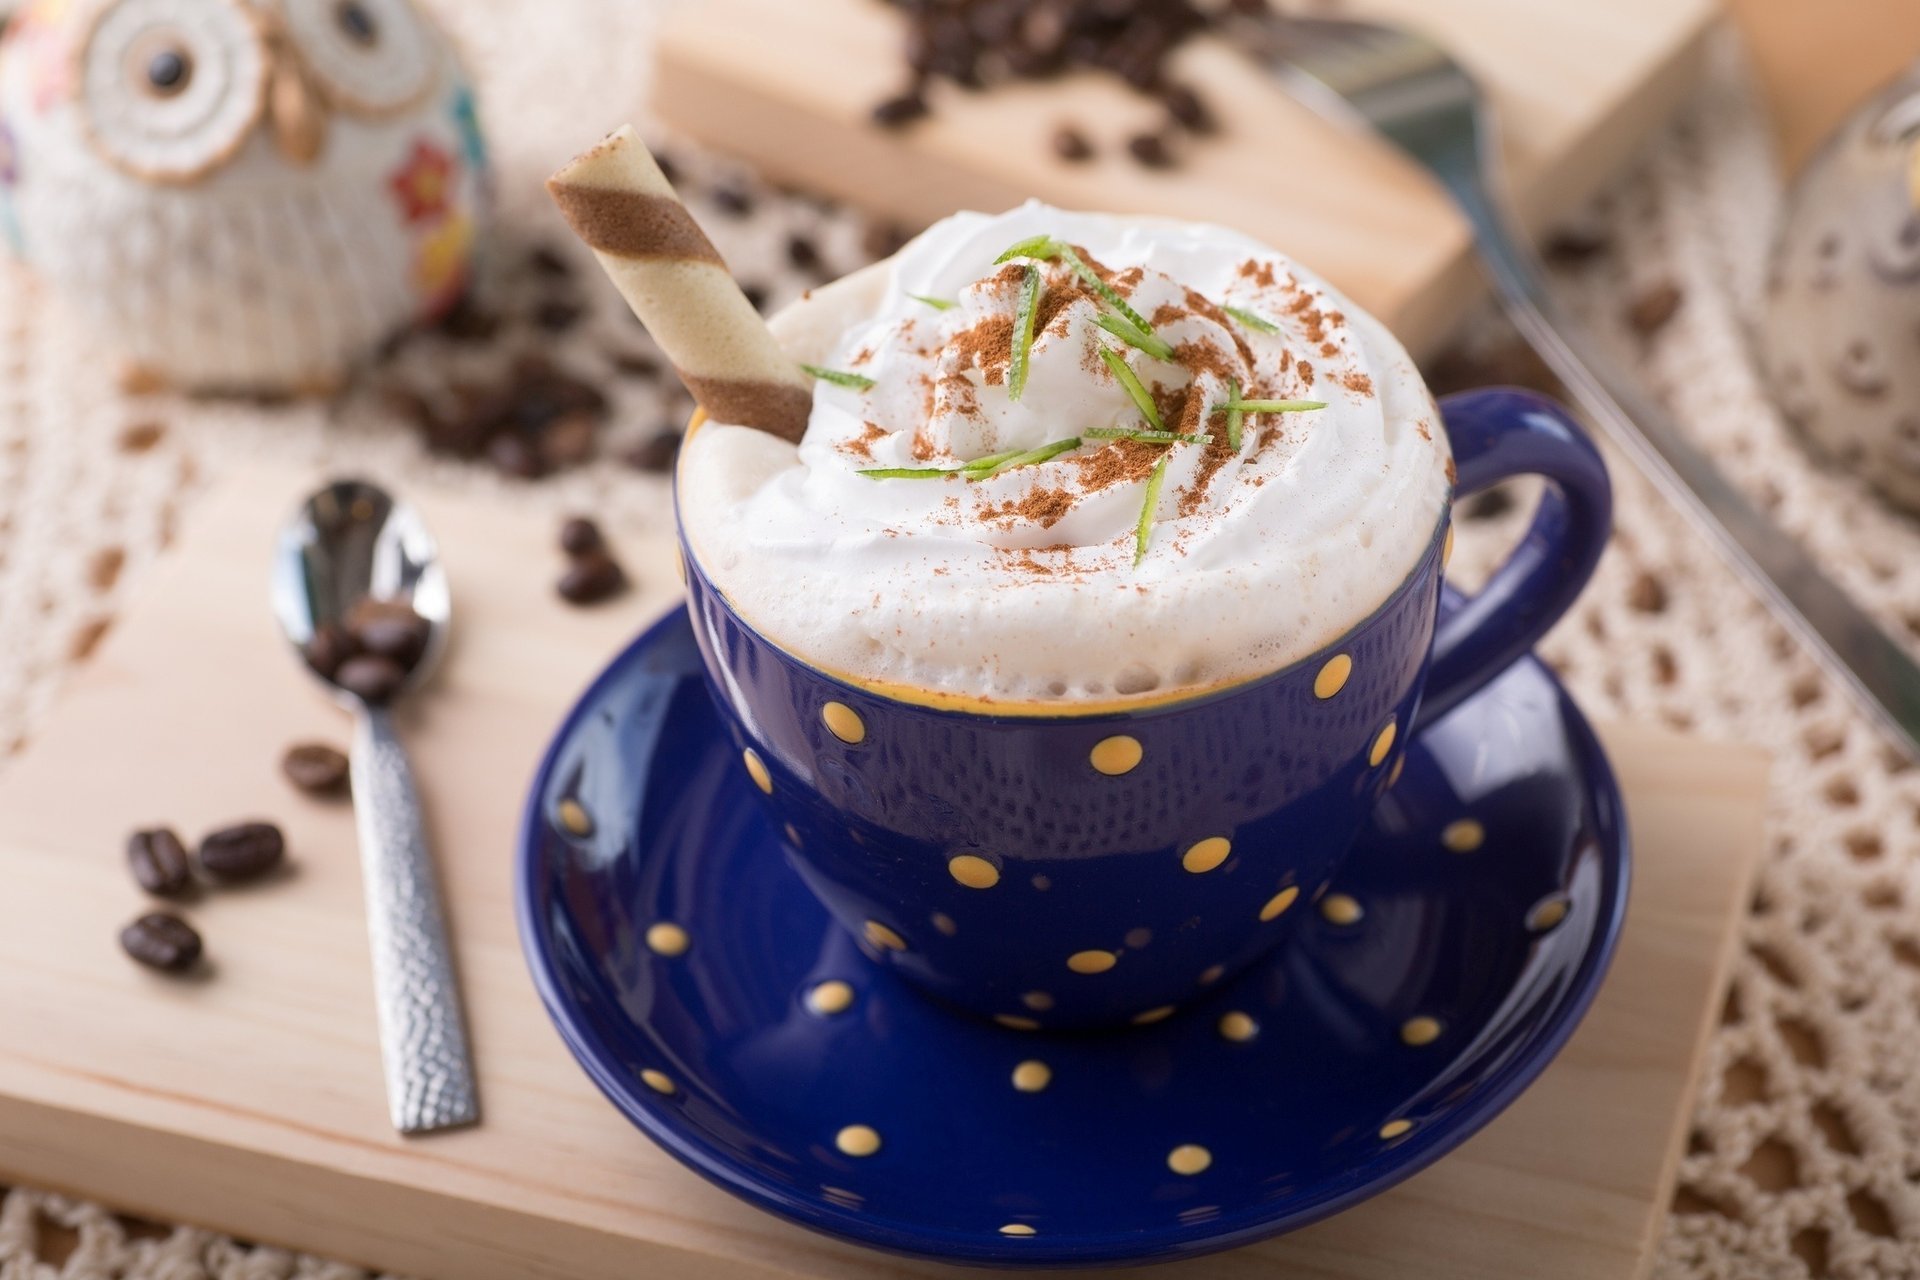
1804, 1151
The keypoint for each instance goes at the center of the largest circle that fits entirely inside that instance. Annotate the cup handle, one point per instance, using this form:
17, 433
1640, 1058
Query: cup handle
1496, 435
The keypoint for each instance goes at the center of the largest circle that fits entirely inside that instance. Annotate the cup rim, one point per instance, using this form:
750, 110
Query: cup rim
987, 707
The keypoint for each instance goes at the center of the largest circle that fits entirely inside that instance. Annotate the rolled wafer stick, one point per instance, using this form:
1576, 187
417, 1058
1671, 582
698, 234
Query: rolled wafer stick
619, 203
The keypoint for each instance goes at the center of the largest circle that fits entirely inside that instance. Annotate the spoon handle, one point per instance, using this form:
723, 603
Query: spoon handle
423, 1029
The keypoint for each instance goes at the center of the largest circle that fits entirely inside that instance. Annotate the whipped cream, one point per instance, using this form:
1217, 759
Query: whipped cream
1024, 585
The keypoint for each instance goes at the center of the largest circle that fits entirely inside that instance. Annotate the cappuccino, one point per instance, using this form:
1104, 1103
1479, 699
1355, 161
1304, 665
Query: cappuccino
1059, 457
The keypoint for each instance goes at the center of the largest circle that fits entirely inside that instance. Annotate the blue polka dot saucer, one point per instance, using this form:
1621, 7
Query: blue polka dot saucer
715, 1003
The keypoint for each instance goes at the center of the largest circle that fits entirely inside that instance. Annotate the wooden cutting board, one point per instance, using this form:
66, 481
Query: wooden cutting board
250, 1101
1577, 84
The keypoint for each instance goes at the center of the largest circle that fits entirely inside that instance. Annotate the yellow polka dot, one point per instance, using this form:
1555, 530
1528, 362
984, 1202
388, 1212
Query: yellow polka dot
1092, 961
1463, 836
1393, 774
1137, 937
1420, 1030
575, 818
1016, 1229
1394, 1128
1189, 1159
1015, 1021
1043, 883
1116, 755
1152, 1016
1547, 912
973, 871
1206, 854
1333, 677
757, 770
884, 938
1038, 1001
1279, 902
1238, 1026
1211, 974
844, 723
1383, 743
1446, 549
658, 1081
1338, 908
944, 923
1032, 1076
857, 1140
833, 996
667, 939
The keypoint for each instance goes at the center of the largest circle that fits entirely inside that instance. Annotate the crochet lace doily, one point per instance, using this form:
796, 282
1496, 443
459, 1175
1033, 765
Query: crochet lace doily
1804, 1150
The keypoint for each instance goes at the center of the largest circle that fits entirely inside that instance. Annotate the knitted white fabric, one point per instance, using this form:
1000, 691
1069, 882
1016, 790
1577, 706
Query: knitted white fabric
1805, 1147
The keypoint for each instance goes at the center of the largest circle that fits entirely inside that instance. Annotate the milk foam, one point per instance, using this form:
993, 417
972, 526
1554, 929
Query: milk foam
1023, 585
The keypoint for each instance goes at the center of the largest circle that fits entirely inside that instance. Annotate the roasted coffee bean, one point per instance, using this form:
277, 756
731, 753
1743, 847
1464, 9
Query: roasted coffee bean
389, 628
1187, 108
242, 852
370, 677
899, 110
548, 261
315, 768
556, 316
803, 253
592, 578
634, 364
330, 646
756, 295
513, 456
1151, 150
579, 536
656, 453
737, 201
466, 321
569, 440
162, 941
1071, 145
1572, 245
159, 862
1654, 307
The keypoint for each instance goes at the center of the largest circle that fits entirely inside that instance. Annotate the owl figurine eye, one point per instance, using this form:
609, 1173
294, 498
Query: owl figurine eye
373, 57
169, 89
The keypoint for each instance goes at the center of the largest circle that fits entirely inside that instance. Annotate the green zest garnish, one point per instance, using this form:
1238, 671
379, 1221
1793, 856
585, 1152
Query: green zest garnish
1258, 323
1272, 406
1152, 437
1041, 247
909, 473
1234, 416
1044, 453
938, 304
1023, 333
1046, 248
1143, 530
1152, 344
1128, 379
838, 377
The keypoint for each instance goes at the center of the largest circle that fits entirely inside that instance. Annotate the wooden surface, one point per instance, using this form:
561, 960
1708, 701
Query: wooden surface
251, 1101
1577, 84
1816, 62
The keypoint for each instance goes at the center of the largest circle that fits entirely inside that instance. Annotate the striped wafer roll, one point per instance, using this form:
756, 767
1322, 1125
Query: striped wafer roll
619, 202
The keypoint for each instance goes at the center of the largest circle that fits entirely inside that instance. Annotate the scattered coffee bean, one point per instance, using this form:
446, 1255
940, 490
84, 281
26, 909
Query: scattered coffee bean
592, 578
549, 261
330, 646
668, 168
803, 253
159, 862
466, 321
315, 768
242, 852
1571, 246
1653, 308
1490, 505
580, 536
162, 941
899, 110
1151, 150
756, 295
737, 201
1071, 145
634, 364
1187, 108
558, 317
656, 453
371, 678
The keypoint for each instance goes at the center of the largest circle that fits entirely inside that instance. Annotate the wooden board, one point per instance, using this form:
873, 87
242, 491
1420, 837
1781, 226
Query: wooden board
789, 86
252, 1101
1816, 62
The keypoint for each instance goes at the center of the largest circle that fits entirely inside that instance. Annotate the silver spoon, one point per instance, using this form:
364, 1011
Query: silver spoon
350, 541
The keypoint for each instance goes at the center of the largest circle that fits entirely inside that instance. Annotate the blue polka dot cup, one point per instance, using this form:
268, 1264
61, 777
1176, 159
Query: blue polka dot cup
1061, 867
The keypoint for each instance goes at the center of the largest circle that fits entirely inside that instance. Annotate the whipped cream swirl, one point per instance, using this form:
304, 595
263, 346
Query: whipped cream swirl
1024, 585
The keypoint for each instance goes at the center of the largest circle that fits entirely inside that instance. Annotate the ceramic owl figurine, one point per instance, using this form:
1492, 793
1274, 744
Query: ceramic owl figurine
1837, 336
239, 195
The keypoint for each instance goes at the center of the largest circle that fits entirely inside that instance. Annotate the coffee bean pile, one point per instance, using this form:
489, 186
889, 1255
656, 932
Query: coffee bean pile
371, 651
592, 572
976, 43
162, 867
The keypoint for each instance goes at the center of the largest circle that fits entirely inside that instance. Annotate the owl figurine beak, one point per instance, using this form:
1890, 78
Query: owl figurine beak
296, 114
